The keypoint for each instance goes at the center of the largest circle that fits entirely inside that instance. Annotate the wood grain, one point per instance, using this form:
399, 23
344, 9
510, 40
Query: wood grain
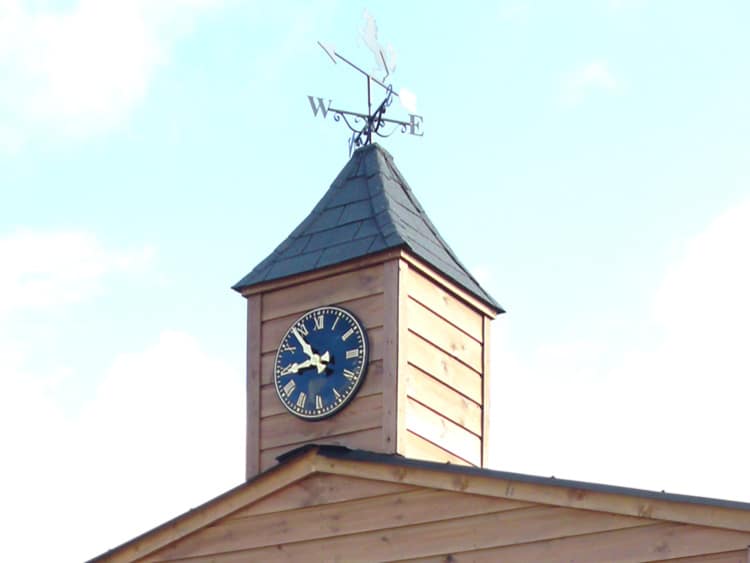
445, 304
363, 413
441, 398
443, 367
439, 430
444, 335
327, 291
252, 441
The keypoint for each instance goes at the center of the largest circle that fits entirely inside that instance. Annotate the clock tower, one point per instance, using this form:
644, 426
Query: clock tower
365, 330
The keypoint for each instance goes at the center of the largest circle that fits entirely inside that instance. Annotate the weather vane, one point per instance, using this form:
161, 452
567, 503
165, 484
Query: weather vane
364, 125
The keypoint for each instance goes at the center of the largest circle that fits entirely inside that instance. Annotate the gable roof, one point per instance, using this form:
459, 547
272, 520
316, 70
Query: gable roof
369, 208
384, 468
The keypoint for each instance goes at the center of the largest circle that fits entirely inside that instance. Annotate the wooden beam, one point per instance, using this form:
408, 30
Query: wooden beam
558, 495
357, 264
486, 392
391, 352
252, 413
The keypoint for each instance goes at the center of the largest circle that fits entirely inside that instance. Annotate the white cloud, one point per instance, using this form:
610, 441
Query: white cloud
42, 269
580, 83
81, 70
164, 433
670, 413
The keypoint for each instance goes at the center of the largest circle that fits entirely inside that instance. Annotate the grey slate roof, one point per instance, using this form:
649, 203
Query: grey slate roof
369, 208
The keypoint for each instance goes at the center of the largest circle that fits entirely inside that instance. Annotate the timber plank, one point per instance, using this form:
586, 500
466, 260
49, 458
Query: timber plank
430, 359
394, 371
372, 384
552, 494
431, 273
325, 291
369, 311
439, 430
419, 448
445, 304
445, 536
369, 439
318, 490
493, 555
742, 556
657, 542
444, 335
486, 392
451, 404
375, 337
361, 414
335, 520
252, 387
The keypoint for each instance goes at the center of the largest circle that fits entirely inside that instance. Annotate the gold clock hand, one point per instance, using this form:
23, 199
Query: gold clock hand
306, 348
322, 361
295, 367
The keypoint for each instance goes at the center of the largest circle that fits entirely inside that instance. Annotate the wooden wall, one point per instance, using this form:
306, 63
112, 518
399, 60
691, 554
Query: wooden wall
445, 359
276, 431
424, 396
340, 518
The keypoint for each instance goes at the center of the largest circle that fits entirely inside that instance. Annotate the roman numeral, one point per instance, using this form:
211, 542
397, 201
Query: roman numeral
302, 329
349, 374
319, 322
287, 347
335, 322
318, 402
347, 334
301, 400
338, 395
289, 387
353, 353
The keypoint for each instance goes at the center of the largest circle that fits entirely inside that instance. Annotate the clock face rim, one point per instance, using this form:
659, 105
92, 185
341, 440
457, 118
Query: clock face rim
361, 372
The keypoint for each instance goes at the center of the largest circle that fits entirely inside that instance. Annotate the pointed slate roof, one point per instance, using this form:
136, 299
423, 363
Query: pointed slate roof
369, 208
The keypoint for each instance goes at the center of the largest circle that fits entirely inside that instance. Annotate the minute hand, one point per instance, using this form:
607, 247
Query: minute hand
306, 348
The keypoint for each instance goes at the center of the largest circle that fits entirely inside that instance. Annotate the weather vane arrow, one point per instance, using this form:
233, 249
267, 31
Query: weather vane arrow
372, 121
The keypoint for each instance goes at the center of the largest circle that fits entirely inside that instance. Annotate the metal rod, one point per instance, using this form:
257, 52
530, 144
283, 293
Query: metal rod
351, 64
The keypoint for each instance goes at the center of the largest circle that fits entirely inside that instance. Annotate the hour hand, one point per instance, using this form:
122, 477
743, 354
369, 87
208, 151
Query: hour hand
306, 348
295, 367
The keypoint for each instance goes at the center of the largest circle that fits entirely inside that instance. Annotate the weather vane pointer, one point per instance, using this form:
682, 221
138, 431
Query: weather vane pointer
364, 125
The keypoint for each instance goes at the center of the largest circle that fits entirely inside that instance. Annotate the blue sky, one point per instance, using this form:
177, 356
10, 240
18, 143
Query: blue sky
587, 160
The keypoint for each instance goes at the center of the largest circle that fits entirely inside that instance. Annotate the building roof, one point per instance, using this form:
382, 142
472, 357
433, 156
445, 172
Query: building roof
382, 468
368, 209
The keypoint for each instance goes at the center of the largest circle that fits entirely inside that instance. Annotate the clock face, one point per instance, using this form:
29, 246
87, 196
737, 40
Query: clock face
321, 362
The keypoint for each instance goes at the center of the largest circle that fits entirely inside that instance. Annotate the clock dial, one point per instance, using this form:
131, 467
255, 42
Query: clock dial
321, 362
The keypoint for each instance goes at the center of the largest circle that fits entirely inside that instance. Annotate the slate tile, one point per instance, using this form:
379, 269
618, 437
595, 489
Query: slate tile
353, 190
325, 220
368, 227
332, 237
346, 251
297, 246
295, 265
356, 212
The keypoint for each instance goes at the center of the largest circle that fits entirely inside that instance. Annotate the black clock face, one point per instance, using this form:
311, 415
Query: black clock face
321, 362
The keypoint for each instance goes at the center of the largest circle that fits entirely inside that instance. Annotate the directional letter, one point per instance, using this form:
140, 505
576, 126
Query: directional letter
319, 107
415, 124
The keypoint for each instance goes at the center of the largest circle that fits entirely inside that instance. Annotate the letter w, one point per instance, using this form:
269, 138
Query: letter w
320, 106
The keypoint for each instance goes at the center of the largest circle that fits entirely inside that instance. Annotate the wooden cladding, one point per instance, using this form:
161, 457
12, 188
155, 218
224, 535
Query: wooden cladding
445, 356
425, 391
338, 518
276, 431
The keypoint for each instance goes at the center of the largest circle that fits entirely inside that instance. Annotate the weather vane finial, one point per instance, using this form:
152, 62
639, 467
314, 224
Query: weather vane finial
372, 121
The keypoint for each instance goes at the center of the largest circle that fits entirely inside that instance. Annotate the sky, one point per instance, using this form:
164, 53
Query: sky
586, 160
